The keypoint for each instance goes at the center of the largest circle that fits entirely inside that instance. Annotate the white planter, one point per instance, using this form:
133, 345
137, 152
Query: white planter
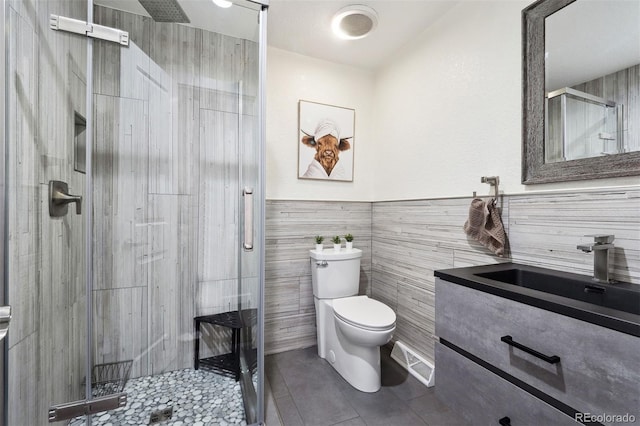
349, 245
337, 247
319, 247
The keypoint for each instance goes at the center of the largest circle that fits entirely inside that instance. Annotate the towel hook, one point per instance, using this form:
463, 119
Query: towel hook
493, 181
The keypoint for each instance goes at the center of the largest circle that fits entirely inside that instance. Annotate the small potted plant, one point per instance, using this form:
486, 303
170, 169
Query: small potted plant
319, 240
336, 243
349, 239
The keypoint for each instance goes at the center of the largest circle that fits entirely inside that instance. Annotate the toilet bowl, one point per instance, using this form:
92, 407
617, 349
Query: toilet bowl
364, 321
350, 328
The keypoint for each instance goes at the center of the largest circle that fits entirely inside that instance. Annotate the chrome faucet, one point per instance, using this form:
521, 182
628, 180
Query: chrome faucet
600, 248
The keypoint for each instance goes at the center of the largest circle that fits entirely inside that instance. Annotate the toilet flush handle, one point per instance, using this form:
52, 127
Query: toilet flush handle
322, 264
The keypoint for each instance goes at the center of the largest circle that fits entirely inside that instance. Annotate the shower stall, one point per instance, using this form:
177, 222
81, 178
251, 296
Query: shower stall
581, 125
133, 210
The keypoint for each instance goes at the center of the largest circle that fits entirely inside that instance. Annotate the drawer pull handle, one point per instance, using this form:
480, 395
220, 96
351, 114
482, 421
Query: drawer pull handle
505, 421
554, 359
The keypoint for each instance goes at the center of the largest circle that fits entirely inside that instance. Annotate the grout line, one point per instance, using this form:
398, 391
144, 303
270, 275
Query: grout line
268, 394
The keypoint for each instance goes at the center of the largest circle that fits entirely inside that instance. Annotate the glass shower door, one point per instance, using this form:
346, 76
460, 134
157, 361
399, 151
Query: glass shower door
175, 289
44, 249
174, 188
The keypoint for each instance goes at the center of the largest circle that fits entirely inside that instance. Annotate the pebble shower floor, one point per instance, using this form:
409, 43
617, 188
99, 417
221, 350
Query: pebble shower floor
198, 398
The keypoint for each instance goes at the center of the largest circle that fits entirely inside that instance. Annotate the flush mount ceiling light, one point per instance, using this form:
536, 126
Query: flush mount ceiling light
223, 3
354, 22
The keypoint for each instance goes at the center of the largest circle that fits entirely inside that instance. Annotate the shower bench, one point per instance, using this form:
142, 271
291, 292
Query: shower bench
234, 320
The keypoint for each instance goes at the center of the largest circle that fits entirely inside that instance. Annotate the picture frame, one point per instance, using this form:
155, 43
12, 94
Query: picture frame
326, 141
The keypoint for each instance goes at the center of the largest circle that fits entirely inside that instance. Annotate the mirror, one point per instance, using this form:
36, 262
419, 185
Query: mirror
581, 90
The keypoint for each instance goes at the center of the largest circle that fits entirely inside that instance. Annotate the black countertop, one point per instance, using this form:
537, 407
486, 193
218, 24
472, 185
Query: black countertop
624, 322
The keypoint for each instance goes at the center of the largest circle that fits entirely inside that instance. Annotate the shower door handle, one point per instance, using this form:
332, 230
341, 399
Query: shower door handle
248, 218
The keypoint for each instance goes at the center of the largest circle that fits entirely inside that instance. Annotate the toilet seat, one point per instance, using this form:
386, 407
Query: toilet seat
365, 313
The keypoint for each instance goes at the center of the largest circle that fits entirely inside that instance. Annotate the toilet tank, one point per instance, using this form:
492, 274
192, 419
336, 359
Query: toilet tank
335, 273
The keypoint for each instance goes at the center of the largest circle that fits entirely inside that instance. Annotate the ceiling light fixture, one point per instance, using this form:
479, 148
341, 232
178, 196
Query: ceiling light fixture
354, 22
223, 3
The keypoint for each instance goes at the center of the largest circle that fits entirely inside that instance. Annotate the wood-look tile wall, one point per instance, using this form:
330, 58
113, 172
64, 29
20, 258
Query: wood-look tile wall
45, 256
167, 190
411, 239
621, 87
290, 230
545, 230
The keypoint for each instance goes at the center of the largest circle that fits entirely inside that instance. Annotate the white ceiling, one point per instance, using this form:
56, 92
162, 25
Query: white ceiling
304, 26
588, 39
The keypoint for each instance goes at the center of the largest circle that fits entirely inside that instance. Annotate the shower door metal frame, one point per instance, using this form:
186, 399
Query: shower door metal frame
262, 155
255, 413
88, 217
4, 347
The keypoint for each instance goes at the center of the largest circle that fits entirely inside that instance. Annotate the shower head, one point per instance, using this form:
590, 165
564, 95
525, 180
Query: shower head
165, 11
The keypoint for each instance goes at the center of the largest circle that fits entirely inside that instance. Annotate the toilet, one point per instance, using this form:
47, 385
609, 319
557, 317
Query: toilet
350, 328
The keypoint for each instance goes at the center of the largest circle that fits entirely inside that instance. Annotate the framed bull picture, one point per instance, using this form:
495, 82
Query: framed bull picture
325, 141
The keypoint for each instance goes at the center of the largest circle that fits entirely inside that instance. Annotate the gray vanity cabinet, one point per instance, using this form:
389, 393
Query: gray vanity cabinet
588, 368
484, 398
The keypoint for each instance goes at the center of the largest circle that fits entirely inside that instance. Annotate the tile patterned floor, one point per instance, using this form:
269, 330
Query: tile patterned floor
198, 398
301, 389
306, 390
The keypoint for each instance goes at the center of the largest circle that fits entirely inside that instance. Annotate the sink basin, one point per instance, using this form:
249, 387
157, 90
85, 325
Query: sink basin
613, 305
614, 296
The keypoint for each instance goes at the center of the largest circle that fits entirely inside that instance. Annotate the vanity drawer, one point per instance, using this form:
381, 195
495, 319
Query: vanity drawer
597, 371
484, 398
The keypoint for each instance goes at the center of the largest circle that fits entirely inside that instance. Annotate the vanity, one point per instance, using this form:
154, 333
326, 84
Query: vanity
522, 345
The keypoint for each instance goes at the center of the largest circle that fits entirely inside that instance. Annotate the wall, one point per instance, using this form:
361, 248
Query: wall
292, 77
290, 227
46, 82
452, 100
411, 239
408, 240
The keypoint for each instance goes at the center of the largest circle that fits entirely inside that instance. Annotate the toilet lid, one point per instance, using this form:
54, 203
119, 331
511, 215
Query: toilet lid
364, 312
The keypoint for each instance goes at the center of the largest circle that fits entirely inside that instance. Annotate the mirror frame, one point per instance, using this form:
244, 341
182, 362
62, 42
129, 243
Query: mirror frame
534, 169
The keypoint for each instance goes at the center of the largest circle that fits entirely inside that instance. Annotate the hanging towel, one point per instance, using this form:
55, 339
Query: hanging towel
485, 226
